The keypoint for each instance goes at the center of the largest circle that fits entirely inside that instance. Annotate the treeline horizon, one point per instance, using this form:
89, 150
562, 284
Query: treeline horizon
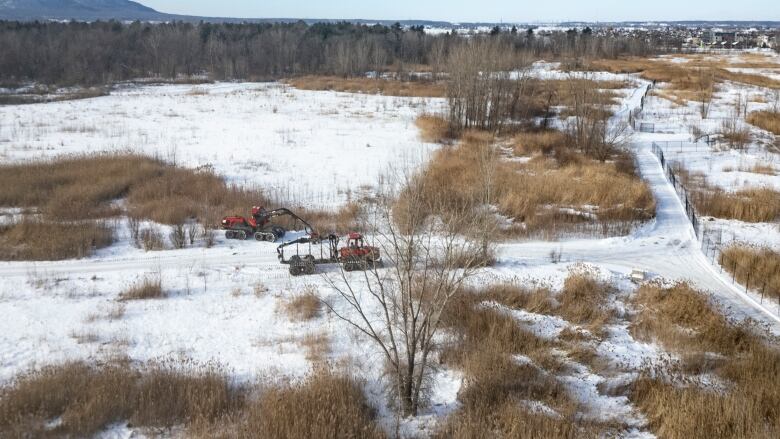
105, 52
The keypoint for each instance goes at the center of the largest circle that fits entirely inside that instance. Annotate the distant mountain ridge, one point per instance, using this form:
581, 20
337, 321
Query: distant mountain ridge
127, 10
77, 10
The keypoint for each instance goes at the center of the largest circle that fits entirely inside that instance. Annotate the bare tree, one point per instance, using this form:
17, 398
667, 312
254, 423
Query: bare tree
399, 308
486, 85
706, 91
590, 127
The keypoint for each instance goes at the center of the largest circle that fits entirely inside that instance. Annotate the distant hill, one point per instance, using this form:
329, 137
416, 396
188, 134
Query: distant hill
77, 10
90, 10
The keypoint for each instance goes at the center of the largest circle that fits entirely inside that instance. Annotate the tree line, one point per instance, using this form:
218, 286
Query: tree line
78, 53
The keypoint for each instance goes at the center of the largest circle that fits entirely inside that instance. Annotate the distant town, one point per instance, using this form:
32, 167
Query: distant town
680, 35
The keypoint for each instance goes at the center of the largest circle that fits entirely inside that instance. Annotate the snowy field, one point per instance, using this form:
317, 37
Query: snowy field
224, 304
316, 149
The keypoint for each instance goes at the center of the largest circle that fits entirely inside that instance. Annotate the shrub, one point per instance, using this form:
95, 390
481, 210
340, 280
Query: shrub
178, 236
37, 240
152, 239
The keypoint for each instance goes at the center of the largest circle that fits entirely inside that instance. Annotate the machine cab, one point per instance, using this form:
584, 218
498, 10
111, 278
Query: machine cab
355, 240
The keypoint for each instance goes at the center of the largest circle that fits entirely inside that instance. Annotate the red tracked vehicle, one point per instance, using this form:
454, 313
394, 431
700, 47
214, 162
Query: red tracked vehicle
260, 225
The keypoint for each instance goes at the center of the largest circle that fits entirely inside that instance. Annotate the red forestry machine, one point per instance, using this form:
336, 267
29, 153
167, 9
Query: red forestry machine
312, 251
260, 225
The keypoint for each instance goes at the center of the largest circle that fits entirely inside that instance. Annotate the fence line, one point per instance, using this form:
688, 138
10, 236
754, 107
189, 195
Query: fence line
711, 240
690, 209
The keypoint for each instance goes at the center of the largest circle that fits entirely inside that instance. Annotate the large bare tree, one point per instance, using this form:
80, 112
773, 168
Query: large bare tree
399, 307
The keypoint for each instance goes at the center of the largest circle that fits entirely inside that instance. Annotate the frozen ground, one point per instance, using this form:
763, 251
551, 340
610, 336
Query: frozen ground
224, 304
311, 148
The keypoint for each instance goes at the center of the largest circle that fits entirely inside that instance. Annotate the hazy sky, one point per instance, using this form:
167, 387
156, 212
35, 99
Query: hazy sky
480, 10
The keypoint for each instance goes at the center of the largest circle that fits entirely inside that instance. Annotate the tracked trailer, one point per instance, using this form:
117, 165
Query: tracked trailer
304, 254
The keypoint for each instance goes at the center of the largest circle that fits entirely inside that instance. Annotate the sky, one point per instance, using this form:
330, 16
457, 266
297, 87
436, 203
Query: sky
480, 10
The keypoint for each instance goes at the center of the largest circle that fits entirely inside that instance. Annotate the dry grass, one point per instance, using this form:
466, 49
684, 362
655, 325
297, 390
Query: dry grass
87, 187
344, 220
698, 77
487, 340
748, 406
547, 143
176, 195
303, 306
755, 169
735, 135
387, 87
584, 301
324, 406
36, 240
754, 205
148, 288
547, 195
433, 129
74, 187
756, 268
766, 120
749, 205
87, 399
83, 187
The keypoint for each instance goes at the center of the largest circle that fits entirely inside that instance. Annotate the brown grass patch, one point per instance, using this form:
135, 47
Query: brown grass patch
542, 142
754, 205
324, 405
87, 399
584, 301
36, 240
546, 196
87, 187
387, 87
750, 205
497, 386
303, 306
766, 120
677, 407
83, 187
755, 169
148, 288
433, 129
692, 76
756, 268
74, 188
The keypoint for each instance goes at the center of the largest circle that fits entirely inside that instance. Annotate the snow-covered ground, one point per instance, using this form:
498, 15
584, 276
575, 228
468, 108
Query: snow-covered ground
225, 304
311, 148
